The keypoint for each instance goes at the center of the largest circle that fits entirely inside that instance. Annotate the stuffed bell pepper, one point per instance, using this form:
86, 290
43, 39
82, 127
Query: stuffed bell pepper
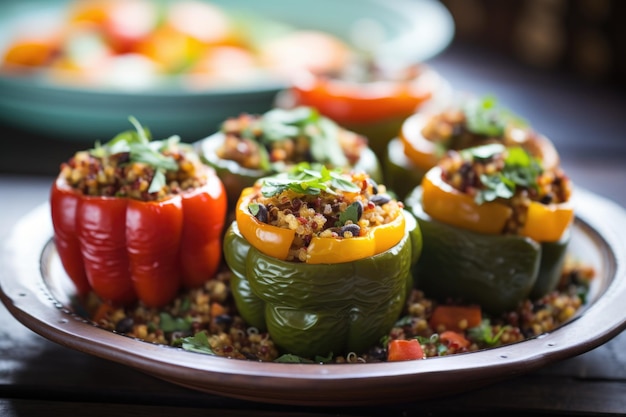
367, 97
250, 147
425, 137
137, 220
321, 259
496, 226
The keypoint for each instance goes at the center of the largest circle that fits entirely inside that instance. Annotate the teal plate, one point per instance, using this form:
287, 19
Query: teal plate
412, 31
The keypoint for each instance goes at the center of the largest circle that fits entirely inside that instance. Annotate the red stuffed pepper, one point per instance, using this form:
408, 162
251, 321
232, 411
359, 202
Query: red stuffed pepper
137, 219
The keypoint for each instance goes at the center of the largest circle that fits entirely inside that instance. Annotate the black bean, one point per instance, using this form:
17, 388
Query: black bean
380, 199
179, 334
125, 325
123, 157
262, 214
352, 228
250, 356
374, 185
378, 353
296, 203
223, 319
330, 221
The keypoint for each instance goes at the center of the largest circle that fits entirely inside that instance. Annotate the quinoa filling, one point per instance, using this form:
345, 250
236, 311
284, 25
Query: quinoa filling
288, 137
478, 122
507, 175
131, 166
352, 207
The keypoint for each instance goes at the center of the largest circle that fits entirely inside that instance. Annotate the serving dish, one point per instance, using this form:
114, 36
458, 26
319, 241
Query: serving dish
37, 293
413, 30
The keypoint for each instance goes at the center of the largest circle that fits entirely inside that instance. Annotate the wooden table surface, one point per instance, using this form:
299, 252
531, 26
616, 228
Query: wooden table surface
39, 377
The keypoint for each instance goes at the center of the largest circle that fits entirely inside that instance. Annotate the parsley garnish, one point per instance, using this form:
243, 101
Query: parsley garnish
309, 180
173, 324
198, 343
254, 208
484, 332
352, 213
140, 149
485, 117
322, 133
521, 169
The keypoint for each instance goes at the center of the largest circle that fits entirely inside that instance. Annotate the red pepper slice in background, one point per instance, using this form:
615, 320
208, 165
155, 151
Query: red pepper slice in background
127, 249
348, 101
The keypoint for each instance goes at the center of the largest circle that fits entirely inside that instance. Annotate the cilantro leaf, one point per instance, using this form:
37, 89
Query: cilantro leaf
158, 182
322, 133
340, 182
496, 186
308, 180
483, 153
254, 208
290, 358
198, 343
485, 117
521, 169
352, 213
140, 149
172, 324
278, 124
484, 333
142, 152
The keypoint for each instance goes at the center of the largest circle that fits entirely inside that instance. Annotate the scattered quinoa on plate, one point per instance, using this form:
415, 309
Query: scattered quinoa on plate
205, 320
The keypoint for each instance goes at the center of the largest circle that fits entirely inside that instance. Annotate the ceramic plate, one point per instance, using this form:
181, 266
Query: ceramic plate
412, 31
37, 292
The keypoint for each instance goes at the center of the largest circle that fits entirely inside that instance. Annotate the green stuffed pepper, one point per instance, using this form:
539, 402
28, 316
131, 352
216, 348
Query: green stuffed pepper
495, 224
321, 259
250, 147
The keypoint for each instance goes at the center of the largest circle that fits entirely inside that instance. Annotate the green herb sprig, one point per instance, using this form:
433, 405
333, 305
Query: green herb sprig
521, 169
198, 343
322, 134
140, 148
485, 117
484, 333
308, 179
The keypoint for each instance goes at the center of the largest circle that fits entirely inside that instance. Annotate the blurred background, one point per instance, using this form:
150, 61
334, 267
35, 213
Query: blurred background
561, 64
581, 39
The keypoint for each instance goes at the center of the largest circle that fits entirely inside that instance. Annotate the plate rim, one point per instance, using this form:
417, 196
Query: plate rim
30, 301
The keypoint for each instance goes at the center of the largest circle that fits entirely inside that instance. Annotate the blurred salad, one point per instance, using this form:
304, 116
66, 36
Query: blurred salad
137, 44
